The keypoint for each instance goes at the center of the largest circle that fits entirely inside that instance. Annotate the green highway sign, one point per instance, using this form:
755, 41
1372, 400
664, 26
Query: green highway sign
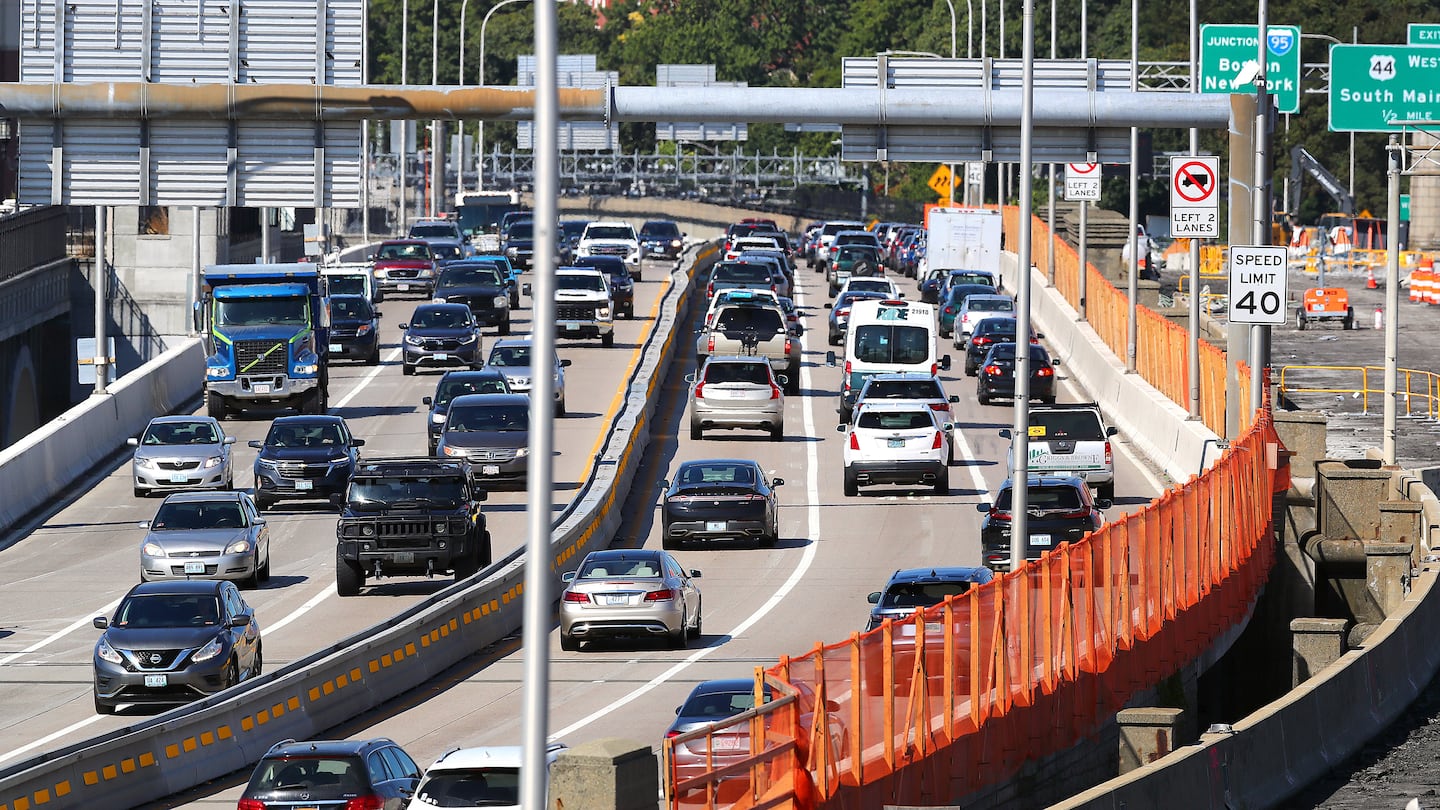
1229, 60
1424, 34
1374, 86
1404, 207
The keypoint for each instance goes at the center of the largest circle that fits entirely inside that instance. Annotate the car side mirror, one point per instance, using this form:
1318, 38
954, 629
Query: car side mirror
1006, 433
1103, 503
695, 573
982, 507
229, 440
832, 706
840, 428
1039, 335
255, 444
1055, 361
829, 305
568, 576
526, 289
945, 363
261, 522
777, 482
404, 326
427, 401
690, 378
1111, 431
948, 427
239, 621
873, 598
144, 524
379, 314
782, 379
132, 442
100, 622
566, 363
954, 397
357, 442
337, 500
830, 358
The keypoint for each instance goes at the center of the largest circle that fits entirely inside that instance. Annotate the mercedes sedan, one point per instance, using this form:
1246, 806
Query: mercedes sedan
629, 592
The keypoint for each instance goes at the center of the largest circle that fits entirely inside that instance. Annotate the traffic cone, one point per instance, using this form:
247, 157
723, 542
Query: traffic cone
1370, 279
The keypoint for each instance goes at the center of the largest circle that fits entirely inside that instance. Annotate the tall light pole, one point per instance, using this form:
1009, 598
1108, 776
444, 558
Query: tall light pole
460, 80
480, 125
403, 171
437, 132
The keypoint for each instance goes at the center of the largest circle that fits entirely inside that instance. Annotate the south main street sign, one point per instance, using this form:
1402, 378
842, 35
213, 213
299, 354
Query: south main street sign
1372, 87
1230, 53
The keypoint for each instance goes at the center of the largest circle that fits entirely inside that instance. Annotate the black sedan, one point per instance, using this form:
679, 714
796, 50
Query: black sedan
720, 498
1059, 509
479, 285
996, 379
622, 284
441, 335
988, 332
354, 329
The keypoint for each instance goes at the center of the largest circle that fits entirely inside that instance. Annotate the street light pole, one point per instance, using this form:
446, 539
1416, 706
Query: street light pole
460, 80
403, 172
480, 125
437, 127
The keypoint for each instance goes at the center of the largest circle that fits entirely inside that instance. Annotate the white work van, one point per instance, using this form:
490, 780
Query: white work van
888, 336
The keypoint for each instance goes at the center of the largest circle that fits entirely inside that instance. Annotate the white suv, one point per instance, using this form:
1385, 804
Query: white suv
476, 777
608, 238
897, 443
583, 305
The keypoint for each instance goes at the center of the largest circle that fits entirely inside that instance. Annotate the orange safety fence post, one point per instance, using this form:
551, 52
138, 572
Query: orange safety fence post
887, 681
858, 687
950, 676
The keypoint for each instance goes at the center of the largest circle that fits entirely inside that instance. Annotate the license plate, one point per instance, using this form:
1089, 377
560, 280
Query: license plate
335, 347
895, 443
1039, 539
617, 599
403, 287
729, 743
715, 525
156, 681
194, 567
403, 557
572, 327
304, 485
262, 388
440, 356
178, 478
490, 469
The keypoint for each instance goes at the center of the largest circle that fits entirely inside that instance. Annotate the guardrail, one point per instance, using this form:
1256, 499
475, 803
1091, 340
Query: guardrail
902, 714
1409, 380
230, 731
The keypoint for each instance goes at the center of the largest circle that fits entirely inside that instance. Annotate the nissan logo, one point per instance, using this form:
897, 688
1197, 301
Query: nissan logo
156, 658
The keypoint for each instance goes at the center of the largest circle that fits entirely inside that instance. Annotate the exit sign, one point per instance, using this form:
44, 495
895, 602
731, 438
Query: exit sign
1230, 60
1424, 34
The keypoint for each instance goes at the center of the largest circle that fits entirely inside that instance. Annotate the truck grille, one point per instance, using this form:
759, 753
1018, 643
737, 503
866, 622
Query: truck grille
403, 528
248, 352
575, 312
402, 272
610, 250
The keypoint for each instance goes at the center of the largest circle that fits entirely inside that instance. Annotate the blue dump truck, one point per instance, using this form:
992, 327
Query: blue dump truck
266, 329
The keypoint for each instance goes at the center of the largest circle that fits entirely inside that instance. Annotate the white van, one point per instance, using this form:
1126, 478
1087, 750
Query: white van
351, 278
887, 336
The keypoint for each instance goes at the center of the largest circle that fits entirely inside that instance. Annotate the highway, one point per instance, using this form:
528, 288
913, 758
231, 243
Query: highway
758, 603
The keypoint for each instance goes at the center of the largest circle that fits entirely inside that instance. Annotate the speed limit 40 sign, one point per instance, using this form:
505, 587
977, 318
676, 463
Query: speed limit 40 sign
1258, 284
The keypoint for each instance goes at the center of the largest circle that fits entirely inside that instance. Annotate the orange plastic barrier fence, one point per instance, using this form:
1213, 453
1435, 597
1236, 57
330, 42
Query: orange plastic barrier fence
957, 699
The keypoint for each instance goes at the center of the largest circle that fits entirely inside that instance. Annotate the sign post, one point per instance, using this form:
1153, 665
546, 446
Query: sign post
1258, 284
1228, 62
1082, 182
1194, 203
1373, 87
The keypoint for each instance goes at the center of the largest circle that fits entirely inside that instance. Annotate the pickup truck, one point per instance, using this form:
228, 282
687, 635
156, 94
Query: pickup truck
753, 329
584, 307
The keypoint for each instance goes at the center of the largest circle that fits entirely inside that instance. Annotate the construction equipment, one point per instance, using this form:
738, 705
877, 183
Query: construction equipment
1301, 161
1325, 304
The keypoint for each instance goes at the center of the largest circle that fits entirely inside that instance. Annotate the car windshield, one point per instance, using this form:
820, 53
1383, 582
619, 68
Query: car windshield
869, 285
471, 787
443, 491
745, 319
302, 435
185, 515
168, 610
580, 281
920, 594
741, 274
972, 278
756, 373
648, 567
417, 250
991, 305
469, 275
1077, 426
325, 779
894, 420
488, 419
346, 285
717, 705
440, 318
1044, 498
660, 229
356, 309
446, 251
609, 232
510, 356
889, 343
438, 229
521, 230
450, 389
717, 473
573, 228
903, 389
179, 433
261, 311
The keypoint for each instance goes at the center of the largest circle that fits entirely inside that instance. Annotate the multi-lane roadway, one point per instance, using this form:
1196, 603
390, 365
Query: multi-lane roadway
758, 603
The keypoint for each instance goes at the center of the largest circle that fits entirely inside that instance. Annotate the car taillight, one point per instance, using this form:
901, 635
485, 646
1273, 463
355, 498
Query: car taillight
1108, 458
710, 289
1044, 371
662, 595
854, 441
993, 370
840, 313
700, 390
250, 804
671, 733
773, 288
940, 406
949, 310
366, 803
1079, 513
788, 345
937, 444
710, 344
980, 341
996, 514
934, 369
774, 391
577, 598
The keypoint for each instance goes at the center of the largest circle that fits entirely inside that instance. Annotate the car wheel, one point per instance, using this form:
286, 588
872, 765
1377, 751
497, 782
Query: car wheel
560, 407
852, 484
792, 380
259, 664
252, 582
834, 339
348, 578
505, 327
265, 569
140, 493
263, 503
215, 406
696, 432
1106, 491
101, 707
942, 483
970, 371
514, 300
229, 485
465, 567
569, 643
407, 369
699, 630
680, 639
607, 340
981, 398
374, 358
232, 675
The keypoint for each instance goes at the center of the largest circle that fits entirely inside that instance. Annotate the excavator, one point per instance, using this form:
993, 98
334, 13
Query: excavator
1365, 232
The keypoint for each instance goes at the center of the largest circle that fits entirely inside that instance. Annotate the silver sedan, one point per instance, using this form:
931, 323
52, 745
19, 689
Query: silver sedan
206, 535
181, 452
629, 592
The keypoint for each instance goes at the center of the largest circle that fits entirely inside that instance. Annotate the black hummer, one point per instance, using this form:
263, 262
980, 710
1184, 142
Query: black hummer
408, 517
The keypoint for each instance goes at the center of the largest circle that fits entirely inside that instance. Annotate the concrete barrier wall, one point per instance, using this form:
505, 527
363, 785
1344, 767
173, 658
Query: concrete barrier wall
221, 735
1277, 751
1161, 429
42, 466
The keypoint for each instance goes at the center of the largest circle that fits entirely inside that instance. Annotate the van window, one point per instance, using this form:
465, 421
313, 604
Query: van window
879, 343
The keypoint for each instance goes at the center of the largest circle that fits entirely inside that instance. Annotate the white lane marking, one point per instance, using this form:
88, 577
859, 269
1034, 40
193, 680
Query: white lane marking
53, 637
366, 380
812, 517
324, 593
958, 437
70, 729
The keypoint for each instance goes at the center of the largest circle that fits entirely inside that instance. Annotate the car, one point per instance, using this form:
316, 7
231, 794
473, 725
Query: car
611, 238
987, 332
584, 306
488, 776
753, 330
879, 284
854, 261
1059, 510
897, 443
570, 231
517, 242
954, 277
792, 316
913, 589
436, 228
907, 386
181, 452
744, 228
974, 308
354, 329
629, 592
853, 236
440, 335
206, 535
1071, 439
661, 238
512, 358
996, 379
739, 275
304, 457
455, 384
955, 297
828, 230
481, 286
720, 498
735, 295
930, 286
174, 642
622, 284
404, 265
780, 255
779, 279
448, 250
736, 392
758, 240
351, 278
374, 773
840, 312
508, 271
492, 432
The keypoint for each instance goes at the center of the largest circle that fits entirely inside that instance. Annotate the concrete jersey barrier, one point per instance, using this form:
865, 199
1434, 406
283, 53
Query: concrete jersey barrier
45, 464
224, 734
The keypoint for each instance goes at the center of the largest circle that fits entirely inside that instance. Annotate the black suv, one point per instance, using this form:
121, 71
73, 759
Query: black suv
304, 457
1059, 510
480, 285
409, 517
661, 238
441, 335
374, 773
622, 284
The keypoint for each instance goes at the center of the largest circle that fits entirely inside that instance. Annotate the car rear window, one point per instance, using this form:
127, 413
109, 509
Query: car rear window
920, 594
717, 473
895, 420
1076, 426
748, 318
318, 778
450, 389
471, 787
741, 274
757, 373
991, 305
1043, 497
718, 704
903, 389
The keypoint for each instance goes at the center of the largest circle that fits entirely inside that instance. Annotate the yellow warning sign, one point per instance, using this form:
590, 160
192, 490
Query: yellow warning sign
940, 181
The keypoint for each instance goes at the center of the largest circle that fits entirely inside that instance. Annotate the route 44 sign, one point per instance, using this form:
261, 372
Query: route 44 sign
1082, 181
1258, 283
1194, 200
